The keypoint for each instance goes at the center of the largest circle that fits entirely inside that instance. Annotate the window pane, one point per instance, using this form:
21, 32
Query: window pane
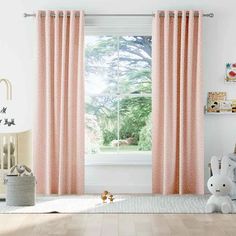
118, 86
135, 124
101, 124
135, 64
101, 53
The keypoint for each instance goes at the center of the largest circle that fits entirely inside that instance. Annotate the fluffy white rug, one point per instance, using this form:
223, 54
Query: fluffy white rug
121, 204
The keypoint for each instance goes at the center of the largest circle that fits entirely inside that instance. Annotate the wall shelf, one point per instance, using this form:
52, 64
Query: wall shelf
217, 113
220, 113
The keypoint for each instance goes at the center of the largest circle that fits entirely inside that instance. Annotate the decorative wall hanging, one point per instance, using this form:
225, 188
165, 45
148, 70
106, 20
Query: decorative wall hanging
8, 140
214, 101
230, 75
5, 120
8, 88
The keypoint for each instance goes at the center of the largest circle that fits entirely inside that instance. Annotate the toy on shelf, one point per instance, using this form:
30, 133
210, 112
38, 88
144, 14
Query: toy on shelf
220, 186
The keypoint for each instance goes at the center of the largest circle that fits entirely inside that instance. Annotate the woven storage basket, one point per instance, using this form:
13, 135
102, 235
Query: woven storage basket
20, 190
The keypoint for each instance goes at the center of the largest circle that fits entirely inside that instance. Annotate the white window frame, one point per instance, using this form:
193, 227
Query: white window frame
119, 26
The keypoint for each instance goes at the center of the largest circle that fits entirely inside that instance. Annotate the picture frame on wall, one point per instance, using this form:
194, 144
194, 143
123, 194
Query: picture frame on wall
215, 101
226, 106
233, 105
230, 75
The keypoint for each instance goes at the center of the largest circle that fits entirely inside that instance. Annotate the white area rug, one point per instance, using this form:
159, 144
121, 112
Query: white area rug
122, 204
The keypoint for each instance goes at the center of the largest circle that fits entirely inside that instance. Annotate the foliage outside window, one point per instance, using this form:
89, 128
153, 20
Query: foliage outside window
118, 94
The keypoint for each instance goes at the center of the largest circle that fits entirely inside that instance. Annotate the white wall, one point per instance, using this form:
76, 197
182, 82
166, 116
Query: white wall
118, 179
18, 60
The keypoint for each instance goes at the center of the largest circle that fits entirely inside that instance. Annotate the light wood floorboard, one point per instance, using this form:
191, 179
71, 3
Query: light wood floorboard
117, 224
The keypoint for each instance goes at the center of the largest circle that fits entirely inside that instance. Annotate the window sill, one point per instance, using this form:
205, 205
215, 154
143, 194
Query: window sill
124, 159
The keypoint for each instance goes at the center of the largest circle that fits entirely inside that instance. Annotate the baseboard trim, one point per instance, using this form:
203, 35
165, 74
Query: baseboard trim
118, 188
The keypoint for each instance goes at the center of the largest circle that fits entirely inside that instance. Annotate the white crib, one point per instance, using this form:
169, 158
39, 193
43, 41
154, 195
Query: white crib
8, 151
8, 154
15, 148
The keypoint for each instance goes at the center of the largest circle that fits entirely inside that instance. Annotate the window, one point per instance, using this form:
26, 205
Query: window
118, 94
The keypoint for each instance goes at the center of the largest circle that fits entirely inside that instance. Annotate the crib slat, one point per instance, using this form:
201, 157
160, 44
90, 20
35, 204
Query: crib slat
16, 149
1, 152
7, 142
8, 152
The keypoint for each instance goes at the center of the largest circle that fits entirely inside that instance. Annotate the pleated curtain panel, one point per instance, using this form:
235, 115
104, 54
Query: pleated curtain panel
59, 127
177, 104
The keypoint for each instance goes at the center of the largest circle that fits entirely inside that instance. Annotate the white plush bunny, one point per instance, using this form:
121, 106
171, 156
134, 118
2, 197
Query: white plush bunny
220, 187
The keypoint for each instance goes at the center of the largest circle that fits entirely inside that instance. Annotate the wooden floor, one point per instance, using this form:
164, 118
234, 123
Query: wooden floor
117, 224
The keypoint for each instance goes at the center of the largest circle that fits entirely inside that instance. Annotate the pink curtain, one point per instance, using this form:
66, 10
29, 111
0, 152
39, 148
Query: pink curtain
59, 129
178, 160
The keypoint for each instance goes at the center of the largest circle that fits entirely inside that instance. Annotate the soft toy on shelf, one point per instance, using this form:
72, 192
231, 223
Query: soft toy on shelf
220, 187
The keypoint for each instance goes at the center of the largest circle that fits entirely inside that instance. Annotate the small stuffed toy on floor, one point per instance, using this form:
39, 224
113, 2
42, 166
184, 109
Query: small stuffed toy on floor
111, 198
220, 187
104, 198
106, 195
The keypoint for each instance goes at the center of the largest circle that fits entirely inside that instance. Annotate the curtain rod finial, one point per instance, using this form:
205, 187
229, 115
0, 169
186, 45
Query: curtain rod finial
210, 15
28, 15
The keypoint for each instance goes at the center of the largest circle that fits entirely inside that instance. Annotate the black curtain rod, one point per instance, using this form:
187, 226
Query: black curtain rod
147, 15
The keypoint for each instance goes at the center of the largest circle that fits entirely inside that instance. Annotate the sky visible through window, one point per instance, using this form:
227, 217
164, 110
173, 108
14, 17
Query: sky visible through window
118, 94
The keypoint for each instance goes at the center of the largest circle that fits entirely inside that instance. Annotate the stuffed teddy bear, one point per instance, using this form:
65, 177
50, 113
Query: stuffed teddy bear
220, 187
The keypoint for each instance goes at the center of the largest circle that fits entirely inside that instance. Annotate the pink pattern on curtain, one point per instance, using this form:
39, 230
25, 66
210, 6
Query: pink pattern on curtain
59, 128
177, 105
